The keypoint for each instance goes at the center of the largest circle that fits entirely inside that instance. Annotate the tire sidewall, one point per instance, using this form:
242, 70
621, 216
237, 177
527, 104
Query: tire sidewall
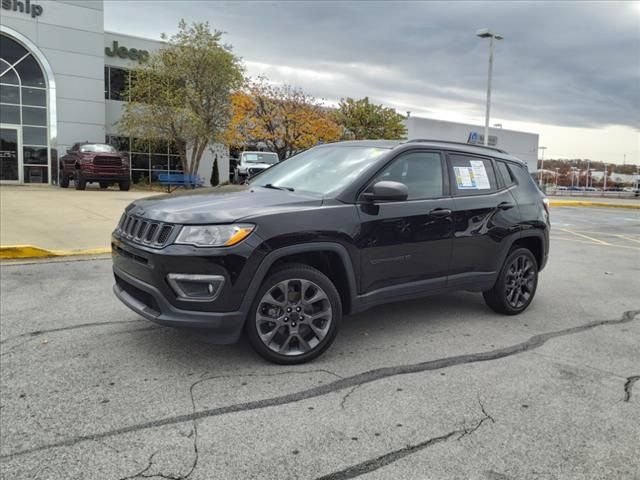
306, 273
503, 274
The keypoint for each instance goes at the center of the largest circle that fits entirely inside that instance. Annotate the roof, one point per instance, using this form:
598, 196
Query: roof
441, 144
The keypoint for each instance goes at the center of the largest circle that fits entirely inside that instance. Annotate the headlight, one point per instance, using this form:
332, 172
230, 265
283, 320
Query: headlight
214, 235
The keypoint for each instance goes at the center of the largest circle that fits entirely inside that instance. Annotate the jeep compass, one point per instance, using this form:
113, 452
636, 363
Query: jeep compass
334, 230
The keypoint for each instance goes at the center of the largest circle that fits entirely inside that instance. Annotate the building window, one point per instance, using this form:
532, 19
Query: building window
147, 159
23, 113
116, 82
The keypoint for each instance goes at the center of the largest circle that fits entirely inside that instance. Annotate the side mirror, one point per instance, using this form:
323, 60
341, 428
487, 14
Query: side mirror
68, 150
386, 190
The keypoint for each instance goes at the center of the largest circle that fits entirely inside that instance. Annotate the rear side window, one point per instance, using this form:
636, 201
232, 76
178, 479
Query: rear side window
472, 175
505, 172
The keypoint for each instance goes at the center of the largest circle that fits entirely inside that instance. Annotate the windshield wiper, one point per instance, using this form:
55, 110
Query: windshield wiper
276, 187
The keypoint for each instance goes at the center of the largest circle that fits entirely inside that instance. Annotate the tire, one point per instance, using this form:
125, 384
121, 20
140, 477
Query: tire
516, 285
104, 185
79, 180
281, 329
124, 185
64, 181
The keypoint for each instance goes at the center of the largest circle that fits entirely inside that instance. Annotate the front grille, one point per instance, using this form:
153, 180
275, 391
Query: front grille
143, 231
107, 161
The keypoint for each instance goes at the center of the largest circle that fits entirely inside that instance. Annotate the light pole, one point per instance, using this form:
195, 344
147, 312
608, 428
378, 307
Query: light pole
486, 33
541, 165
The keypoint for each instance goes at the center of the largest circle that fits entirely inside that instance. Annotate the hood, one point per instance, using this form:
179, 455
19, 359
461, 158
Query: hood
215, 205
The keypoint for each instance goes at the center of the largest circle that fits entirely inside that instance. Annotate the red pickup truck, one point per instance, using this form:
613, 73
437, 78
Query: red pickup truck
94, 162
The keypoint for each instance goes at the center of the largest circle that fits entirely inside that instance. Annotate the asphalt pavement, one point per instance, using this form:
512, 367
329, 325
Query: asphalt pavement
437, 388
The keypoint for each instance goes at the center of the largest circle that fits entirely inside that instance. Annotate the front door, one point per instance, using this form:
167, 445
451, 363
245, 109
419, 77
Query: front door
10, 153
407, 244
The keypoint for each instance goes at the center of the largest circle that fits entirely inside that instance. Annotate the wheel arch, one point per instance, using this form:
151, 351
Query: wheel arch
534, 242
330, 258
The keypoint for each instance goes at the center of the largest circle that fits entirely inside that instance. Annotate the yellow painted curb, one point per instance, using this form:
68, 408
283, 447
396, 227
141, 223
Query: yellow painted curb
31, 251
582, 203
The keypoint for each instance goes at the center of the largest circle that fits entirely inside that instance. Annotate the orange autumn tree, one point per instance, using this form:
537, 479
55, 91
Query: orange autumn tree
282, 117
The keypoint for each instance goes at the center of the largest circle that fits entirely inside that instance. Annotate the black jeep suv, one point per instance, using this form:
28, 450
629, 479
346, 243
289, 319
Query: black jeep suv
334, 230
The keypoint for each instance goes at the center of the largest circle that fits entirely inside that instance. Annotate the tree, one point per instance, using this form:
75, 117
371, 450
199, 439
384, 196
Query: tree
183, 93
282, 117
363, 120
215, 174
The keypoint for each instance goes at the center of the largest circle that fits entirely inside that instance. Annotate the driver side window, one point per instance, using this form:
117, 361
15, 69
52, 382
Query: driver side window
421, 172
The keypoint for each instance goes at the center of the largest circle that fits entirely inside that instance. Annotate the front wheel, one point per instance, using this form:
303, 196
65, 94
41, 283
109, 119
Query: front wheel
64, 181
295, 316
79, 180
516, 285
124, 185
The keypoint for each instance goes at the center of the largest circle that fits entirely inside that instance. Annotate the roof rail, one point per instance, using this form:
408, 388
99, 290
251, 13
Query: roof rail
415, 140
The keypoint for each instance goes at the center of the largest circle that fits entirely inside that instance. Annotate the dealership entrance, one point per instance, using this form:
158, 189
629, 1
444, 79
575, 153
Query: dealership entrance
24, 116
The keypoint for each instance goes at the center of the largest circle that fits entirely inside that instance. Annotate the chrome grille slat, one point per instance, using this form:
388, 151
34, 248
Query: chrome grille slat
144, 232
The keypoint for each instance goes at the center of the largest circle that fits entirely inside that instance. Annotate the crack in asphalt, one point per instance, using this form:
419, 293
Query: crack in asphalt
348, 394
194, 434
532, 343
37, 333
629, 385
373, 464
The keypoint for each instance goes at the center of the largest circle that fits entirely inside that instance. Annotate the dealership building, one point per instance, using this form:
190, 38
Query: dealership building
62, 78
519, 144
62, 81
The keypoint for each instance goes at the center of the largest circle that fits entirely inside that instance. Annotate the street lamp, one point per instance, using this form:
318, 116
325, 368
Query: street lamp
486, 33
541, 165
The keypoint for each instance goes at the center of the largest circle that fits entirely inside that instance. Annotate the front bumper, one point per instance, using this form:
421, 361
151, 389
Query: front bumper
147, 301
141, 273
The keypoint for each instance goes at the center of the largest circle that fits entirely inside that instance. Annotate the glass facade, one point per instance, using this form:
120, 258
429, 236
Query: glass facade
147, 159
23, 109
116, 81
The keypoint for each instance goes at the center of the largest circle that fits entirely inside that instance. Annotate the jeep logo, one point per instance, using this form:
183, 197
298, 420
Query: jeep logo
141, 56
22, 7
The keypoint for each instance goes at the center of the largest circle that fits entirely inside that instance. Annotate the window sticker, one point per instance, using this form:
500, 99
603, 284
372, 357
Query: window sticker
464, 178
480, 175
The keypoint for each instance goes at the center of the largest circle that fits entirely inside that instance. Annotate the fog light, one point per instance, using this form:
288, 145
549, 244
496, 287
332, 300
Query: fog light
196, 288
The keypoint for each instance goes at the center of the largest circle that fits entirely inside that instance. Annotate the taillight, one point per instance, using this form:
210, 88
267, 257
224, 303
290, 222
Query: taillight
545, 204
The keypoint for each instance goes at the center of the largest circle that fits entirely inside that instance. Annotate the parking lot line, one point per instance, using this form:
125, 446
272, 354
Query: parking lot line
589, 242
585, 236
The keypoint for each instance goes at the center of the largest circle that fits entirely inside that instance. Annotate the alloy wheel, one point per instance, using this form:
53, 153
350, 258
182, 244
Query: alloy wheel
293, 317
520, 281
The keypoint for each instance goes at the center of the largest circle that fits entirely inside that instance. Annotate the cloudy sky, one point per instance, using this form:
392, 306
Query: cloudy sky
569, 71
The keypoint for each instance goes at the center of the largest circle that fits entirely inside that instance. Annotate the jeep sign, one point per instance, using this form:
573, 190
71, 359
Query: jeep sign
141, 56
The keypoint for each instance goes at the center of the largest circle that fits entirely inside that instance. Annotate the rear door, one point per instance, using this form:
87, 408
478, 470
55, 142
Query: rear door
408, 241
485, 218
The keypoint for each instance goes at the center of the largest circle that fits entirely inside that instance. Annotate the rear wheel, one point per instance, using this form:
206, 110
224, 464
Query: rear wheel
295, 316
79, 180
124, 185
516, 285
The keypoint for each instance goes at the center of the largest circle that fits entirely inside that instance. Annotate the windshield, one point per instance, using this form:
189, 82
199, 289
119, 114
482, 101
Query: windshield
260, 157
320, 170
97, 147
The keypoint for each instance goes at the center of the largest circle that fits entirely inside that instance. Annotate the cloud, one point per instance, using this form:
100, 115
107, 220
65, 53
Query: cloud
571, 64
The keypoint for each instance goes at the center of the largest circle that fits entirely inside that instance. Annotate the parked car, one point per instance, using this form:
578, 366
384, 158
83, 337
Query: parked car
252, 163
335, 230
88, 162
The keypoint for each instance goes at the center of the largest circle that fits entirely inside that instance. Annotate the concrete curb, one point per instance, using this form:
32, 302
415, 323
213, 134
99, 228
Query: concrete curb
583, 203
11, 252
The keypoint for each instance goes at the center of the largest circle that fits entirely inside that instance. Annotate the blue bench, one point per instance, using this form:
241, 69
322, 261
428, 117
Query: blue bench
179, 180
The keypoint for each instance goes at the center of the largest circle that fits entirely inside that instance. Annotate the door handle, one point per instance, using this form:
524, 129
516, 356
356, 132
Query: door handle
440, 212
506, 206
